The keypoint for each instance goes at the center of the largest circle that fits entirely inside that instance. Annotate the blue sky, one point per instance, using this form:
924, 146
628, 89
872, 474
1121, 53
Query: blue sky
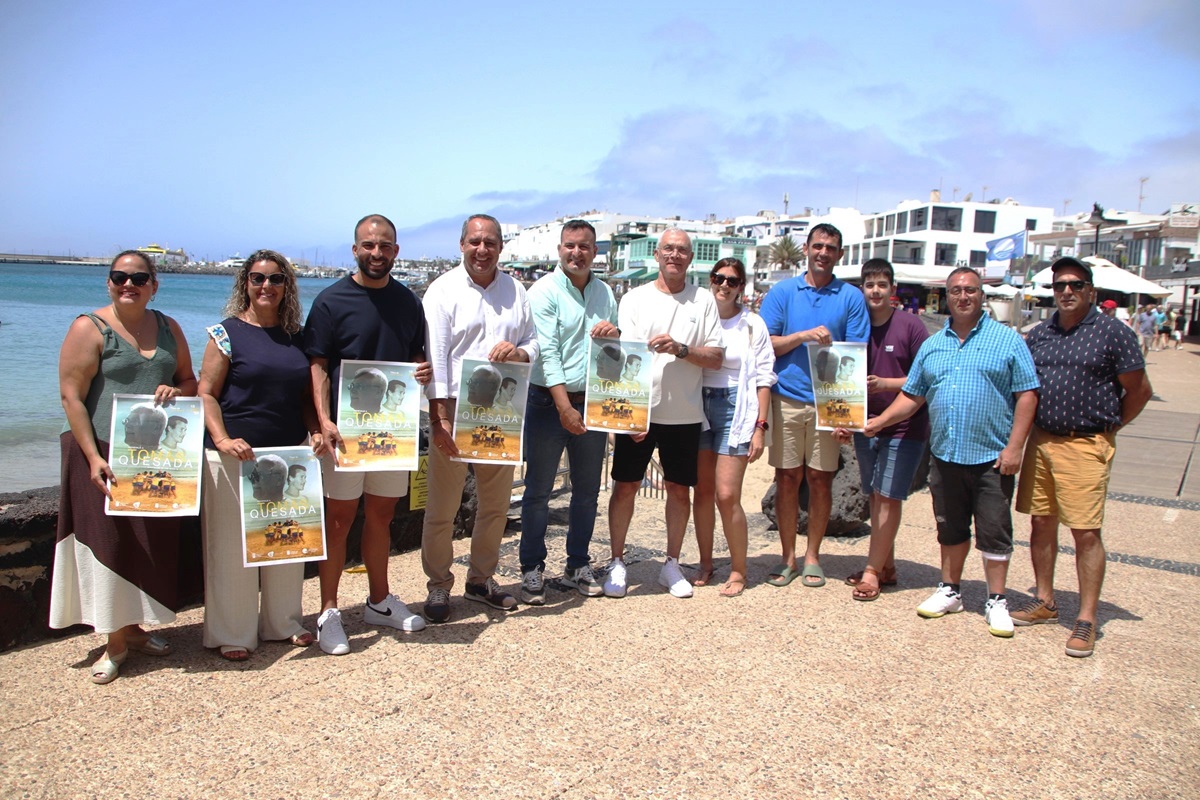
224, 127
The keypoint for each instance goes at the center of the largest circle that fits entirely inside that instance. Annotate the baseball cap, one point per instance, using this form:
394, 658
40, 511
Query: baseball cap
1109, 304
1068, 261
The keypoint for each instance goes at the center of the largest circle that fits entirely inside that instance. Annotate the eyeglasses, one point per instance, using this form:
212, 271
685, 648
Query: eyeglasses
259, 278
733, 281
969, 291
138, 279
1076, 286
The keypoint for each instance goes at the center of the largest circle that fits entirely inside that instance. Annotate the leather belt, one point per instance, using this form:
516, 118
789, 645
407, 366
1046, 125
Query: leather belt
575, 398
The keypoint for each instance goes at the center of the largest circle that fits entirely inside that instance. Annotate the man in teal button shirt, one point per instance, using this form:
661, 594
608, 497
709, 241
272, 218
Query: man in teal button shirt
570, 307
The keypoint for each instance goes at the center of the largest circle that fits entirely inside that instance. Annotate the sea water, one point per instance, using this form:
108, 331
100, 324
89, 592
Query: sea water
37, 304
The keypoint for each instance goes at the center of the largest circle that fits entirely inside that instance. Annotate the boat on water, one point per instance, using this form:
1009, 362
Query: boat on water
164, 257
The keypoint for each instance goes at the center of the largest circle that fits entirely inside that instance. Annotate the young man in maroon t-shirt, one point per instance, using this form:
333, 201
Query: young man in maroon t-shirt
887, 462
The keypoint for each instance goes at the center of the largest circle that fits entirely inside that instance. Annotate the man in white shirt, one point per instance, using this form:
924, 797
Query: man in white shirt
681, 324
472, 311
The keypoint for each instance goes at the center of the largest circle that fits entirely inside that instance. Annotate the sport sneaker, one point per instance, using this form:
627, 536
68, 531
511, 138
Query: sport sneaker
490, 594
330, 633
671, 578
1083, 639
614, 582
437, 606
1034, 612
999, 622
583, 580
393, 613
942, 602
533, 588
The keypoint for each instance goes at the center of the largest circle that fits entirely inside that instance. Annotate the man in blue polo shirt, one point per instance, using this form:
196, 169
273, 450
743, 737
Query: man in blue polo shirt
979, 381
813, 308
1093, 382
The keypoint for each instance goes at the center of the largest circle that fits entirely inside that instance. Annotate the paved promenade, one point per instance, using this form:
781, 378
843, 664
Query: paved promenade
790, 692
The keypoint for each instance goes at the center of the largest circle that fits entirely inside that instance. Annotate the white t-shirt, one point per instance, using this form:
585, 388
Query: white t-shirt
689, 317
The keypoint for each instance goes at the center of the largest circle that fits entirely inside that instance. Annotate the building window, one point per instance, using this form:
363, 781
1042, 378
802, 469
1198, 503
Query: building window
902, 222
1031, 224
985, 222
879, 226
978, 257
708, 252
854, 255
869, 225
947, 219
889, 224
918, 219
740, 254
944, 254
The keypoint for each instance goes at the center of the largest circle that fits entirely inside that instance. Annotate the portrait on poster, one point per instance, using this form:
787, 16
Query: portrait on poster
839, 379
379, 415
155, 453
618, 386
489, 417
282, 505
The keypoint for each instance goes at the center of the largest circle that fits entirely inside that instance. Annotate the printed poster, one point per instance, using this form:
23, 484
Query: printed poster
379, 414
281, 498
155, 452
489, 418
839, 378
618, 386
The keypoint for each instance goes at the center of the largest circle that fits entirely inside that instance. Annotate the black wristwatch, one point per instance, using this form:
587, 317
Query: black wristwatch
683, 351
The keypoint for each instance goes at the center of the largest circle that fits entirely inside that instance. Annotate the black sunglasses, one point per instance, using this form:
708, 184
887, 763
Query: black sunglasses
259, 278
1076, 286
139, 279
721, 280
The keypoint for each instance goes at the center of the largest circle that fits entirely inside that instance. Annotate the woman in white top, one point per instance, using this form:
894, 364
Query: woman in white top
737, 400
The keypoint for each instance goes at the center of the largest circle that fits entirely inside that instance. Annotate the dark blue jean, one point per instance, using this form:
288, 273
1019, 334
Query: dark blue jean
545, 440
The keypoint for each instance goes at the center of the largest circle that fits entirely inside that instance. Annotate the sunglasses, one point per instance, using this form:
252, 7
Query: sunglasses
259, 278
721, 280
1076, 286
139, 279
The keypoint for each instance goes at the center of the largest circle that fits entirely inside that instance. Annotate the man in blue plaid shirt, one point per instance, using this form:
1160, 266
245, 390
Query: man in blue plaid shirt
980, 383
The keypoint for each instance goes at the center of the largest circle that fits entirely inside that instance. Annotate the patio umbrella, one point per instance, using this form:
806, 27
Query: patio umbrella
1107, 275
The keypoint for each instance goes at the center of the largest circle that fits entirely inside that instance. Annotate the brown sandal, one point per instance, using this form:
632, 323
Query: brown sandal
703, 577
854, 578
865, 593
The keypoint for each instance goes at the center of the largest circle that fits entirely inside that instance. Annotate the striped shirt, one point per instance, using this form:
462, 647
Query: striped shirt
969, 387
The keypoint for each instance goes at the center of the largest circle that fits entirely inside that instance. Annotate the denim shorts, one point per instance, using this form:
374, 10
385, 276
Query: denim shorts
887, 465
719, 405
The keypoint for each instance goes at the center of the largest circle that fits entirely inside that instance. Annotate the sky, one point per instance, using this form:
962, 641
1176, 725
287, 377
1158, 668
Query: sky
222, 127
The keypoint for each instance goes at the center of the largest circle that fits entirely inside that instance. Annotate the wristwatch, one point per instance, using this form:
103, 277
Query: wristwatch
683, 351
762, 425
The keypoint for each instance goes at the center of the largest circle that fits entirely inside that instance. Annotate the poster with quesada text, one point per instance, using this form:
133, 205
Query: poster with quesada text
155, 452
489, 417
839, 379
619, 387
379, 415
282, 507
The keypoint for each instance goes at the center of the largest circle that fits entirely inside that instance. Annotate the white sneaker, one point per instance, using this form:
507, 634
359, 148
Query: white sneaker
999, 622
671, 577
393, 613
330, 633
942, 602
614, 583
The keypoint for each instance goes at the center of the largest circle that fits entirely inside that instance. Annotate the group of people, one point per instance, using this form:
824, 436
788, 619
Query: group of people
727, 385
1159, 327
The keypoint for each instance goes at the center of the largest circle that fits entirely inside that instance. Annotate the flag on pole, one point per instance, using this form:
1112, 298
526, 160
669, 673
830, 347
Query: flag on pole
1006, 247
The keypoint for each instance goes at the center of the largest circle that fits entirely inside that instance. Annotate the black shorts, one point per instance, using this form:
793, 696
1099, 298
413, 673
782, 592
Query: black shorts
961, 493
678, 446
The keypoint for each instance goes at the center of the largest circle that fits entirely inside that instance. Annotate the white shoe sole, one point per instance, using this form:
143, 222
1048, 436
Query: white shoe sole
937, 614
615, 591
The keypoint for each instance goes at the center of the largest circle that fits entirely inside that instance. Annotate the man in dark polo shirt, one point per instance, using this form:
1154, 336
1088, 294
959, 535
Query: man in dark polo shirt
1093, 381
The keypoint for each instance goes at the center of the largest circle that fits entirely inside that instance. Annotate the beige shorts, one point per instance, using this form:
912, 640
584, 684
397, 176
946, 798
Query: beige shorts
353, 485
795, 440
1066, 477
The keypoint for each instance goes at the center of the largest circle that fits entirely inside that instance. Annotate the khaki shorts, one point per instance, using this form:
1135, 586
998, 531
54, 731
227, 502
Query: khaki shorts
1066, 477
795, 440
353, 485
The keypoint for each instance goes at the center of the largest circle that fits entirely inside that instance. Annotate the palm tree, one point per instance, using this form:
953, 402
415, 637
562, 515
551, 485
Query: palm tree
786, 253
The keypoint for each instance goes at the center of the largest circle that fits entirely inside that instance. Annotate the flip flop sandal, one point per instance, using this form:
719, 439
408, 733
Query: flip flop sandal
303, 639
231, 652
813, 571
782, 575
854, 578
725, 589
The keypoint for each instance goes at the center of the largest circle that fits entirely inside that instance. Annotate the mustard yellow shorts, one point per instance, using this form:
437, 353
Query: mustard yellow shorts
1066, 477
795, 440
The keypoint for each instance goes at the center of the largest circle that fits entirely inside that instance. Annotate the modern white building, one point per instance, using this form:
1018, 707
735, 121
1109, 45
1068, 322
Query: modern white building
631, 261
